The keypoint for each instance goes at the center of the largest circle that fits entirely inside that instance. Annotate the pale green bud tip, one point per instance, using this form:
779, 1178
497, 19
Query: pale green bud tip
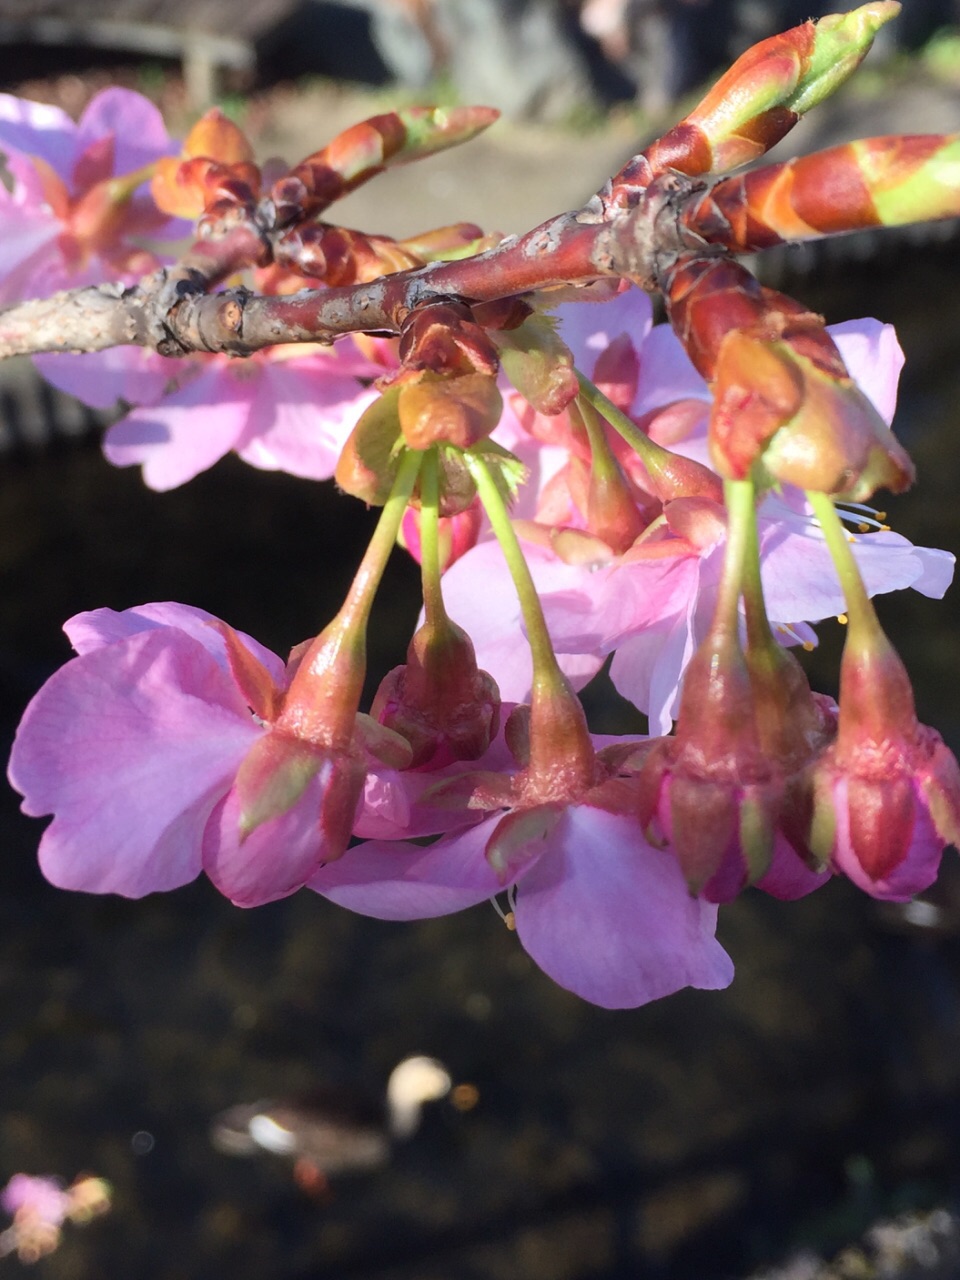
841, 42
431, 129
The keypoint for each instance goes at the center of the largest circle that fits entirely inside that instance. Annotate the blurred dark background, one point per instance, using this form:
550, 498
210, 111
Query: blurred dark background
534, 58
700, 1138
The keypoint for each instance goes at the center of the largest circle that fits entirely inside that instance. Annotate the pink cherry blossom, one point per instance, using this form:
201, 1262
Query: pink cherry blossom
601, 911
284, 409
131, 745
887, 791
63, 226
800, 586
276, 412
135, 746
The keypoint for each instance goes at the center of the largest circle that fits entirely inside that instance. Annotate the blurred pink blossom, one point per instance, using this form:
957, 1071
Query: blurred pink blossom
66, 221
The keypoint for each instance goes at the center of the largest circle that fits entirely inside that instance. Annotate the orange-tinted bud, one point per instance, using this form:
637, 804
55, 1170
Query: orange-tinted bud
217, 137
368, 462
766, 91
782, 416
443, 337
215, 152
460, 411
188, 188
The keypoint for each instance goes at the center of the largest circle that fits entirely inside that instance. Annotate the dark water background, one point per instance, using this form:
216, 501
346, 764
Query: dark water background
689, 1140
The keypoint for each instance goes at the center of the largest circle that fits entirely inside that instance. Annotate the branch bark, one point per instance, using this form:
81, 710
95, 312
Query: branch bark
173, 311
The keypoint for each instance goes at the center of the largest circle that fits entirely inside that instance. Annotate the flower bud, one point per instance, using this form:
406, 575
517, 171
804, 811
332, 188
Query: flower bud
461, 410
768, 89
790, 411
888, 792
440, 701
538, 364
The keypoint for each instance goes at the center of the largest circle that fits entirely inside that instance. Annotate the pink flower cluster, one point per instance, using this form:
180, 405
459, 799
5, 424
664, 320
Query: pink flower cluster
173, 745
136, 745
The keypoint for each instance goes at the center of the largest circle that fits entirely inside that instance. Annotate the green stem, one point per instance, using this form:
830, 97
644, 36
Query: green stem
759, 633
321, 703
546, 670
562, 762
603, 465
430, 540
124, 185
863, 622
738, 495
650, 453
363, 589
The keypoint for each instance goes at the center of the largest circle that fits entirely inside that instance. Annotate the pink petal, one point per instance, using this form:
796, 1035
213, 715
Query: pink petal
101, 378
597, 610
348, 360
874, 358
130, 747
393, 805
400, 881
300, 416
936, 571
588, 328
800, 582
35, 129
491, 617
98, 627
188, 431
29, 191
789, 877
609, 917
47, 272
392, 809
28, 250
648, 668
542, 461
666, 373
137, 125
385, 812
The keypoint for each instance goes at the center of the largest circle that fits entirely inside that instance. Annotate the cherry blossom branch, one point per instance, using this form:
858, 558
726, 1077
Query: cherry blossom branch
171, 311
654, 210
108, 315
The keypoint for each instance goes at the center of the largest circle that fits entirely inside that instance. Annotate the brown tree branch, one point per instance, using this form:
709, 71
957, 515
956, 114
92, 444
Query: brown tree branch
173, 312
